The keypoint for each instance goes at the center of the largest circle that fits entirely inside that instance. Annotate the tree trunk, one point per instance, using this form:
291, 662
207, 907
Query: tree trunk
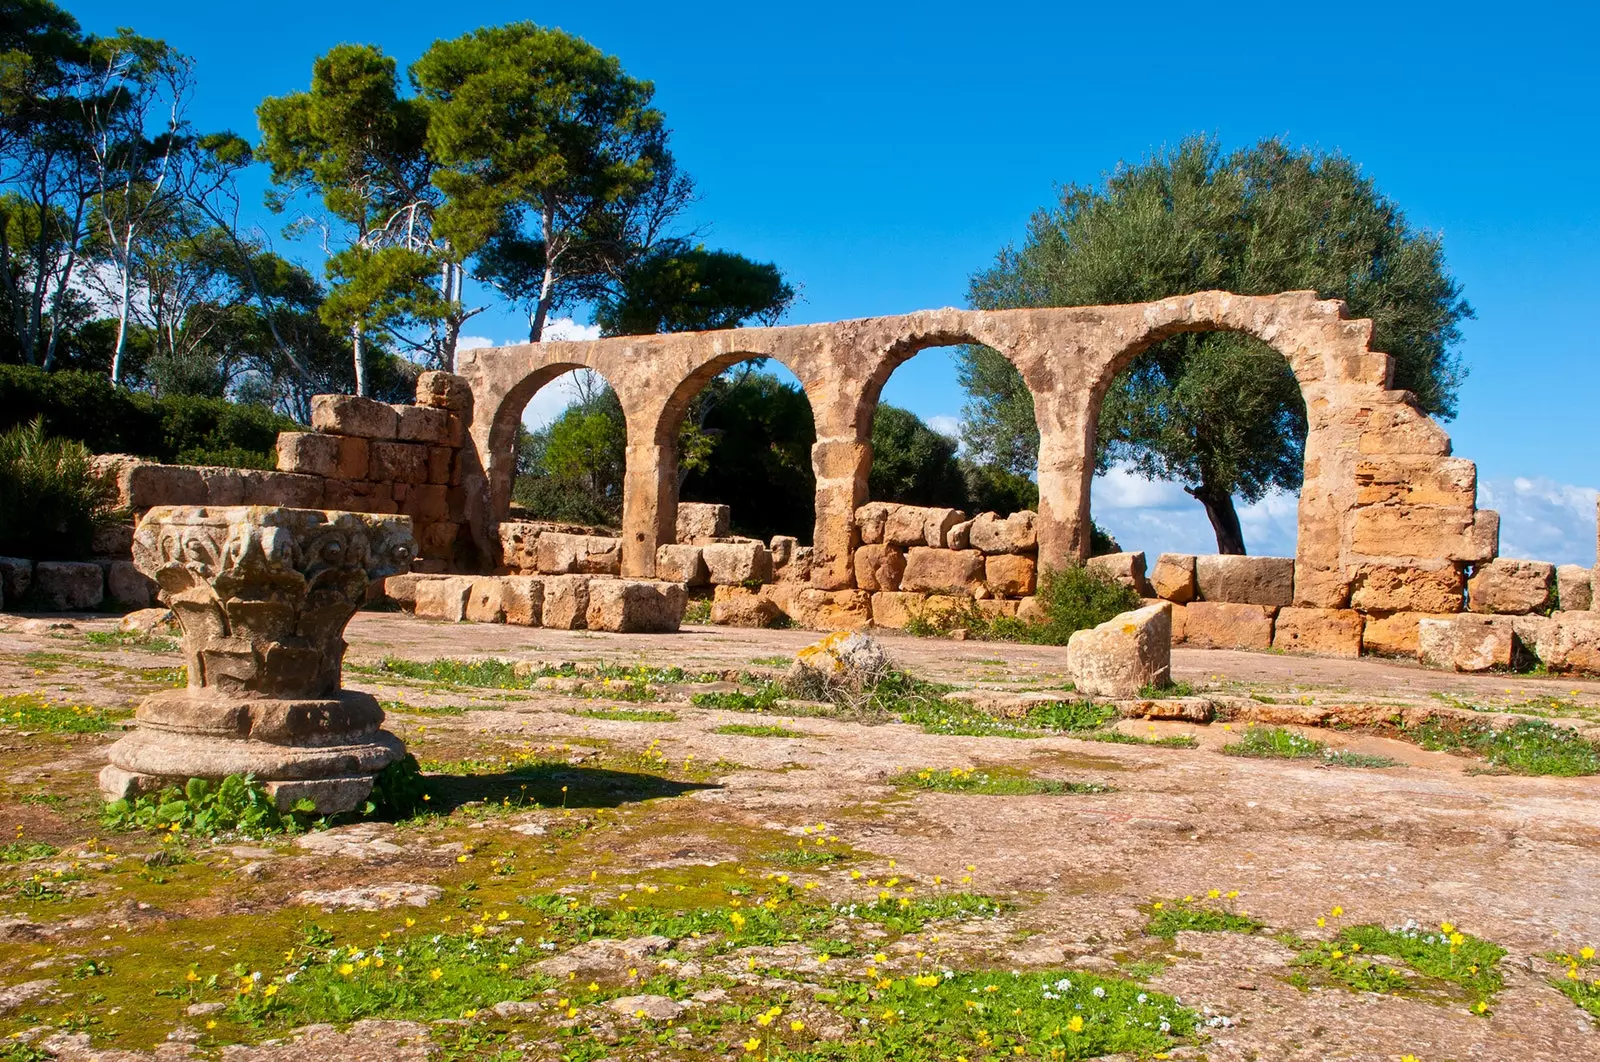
360, 355
122, 331
1224, 518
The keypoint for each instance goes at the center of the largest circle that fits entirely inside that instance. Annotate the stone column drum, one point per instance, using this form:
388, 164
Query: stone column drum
263, 595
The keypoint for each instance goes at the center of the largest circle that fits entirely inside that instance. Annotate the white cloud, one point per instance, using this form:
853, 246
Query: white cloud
567, 328
1158, 516
945, 424
551, 400
1541, 519
479, 342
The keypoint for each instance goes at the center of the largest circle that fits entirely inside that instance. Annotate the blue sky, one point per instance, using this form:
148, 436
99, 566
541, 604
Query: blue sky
881, 153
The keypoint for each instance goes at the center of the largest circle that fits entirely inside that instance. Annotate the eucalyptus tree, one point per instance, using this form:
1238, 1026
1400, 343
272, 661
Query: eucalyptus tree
1219, 412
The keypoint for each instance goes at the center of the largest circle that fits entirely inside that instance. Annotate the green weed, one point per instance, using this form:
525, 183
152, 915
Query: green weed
24, 851
986, 783
1170, 917
1117, 737
1529, 746
1580, 982
1276, 742
1444, 955
629, 715
237, 804
750, 730
1071, 716
30, 711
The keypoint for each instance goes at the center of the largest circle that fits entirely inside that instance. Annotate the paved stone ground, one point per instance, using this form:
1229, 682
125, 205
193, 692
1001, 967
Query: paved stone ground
1514, 860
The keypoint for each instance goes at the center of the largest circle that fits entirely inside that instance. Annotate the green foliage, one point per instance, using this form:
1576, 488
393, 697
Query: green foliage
1529, 746
399, 791
31, 712
1217, 411
683, 289
990, 783
1075, 598
1117, 737
764, 699
1071, 715
1446, 955
171, 428
51, 499
26, 851
1170, 917
912, 464
1578, 981
1276, 742
754, 730
629, 715
760, 432
237, 804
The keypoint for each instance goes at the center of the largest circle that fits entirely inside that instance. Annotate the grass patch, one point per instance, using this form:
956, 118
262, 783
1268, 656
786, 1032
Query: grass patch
755, 730
24, 851
986, 783
423, 709
697, 611
1171, 689
1580, 982
1529, 746
629, 715
30, 711
1117, 737
506, 675
771, 661
763, 699
153, 643
1168, 918
1281, 743
1445, 956
1071, 716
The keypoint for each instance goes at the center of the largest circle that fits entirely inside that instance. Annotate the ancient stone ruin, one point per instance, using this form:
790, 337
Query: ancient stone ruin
263, 596
1393, 556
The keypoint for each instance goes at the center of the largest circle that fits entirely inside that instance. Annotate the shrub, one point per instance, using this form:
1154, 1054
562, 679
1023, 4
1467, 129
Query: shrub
51, 499
236, 804
1074, 598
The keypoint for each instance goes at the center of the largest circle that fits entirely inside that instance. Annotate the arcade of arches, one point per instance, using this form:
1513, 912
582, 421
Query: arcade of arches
1382, 497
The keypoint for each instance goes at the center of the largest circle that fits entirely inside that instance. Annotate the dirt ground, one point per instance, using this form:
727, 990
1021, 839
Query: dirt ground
1509, 859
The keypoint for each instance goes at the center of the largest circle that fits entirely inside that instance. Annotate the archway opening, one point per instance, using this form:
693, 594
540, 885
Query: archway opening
917, 450
570, 443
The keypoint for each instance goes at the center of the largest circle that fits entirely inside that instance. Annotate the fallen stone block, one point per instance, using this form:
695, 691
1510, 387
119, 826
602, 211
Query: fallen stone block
797, 569
442, 597
401, 589
879, 566
943, 571
353, 415
1574, 588
68, 586
1123, 655
484, 604
734, 563
635, 606
1031, 610
1571, 642
1173, 578
739, 606
308, 452
149, 621
1465, 643
1505, 586
1427, 586
566, 602
1017, 533
959, 536
702, 522
1125, 568
1324, 631
684, 564
1010, 574
1245, 580
1226, 625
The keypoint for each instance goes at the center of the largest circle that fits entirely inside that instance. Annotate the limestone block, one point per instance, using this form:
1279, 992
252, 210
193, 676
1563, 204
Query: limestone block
145, 486
426, 502
423, 424
1416, 480
1227, 625
16, 577
1391, 633
438, 541
484, 601
1427, 586
1574, 588
128, 586
1125, 568
440, 461
1017, 533
1571, 642
895, 608
442, 597
702, 522
798, 568
354, 456
832, 610
149, 622
1245, 580
399, 462
959, 536
1452, 532
870, 520
444, 390
224, 486
280, 490
1465, 643
116, 540
1180, 623
879, 567
1173, 578
943, 571
68, 586
681, 564
522, 598
1010, 574
782, 548
1029, 610
1324, 631
566, 602
401, 589
739, 606
994, 608
936, 525
1511, 587
353, 415
562, 554
308, 452
1124, 654
731, 563
906, 525
519, 543
635, 606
